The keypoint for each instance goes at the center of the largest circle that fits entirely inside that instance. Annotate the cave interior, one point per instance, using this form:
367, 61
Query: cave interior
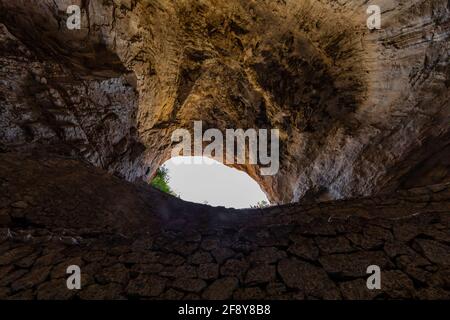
86, 119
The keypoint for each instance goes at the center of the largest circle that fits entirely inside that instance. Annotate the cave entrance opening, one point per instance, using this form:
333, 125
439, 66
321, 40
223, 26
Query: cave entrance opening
207, 181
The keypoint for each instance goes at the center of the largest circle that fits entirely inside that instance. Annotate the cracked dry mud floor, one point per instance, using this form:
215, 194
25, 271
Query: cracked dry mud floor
86, 118
149, 245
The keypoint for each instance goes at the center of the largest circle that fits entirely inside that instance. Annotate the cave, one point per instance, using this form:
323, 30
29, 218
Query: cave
207, 181
87, 116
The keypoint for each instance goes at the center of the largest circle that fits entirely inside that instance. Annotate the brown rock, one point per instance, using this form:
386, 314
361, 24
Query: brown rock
275, 289
200, 257
267, 255
28, 261
397, 285
116, 273
354, 264
435, 251
334, 245
171, 259
182, 247
148, 268
146, 286
406, 232
55, 290
94, 256
234, 267
5, 220
110, 291
222, 254
221, 289
15, 254
208, 271
48, 259
441, 278
432, 294
317, 227
4, 293
60, 270
172, 294
360, 116
33, 278
260, 274
191, 297
304, 248
189, 285
345, 156
23, 295
357, 290
308, 278
144, 257
20, 205
210, 244
184, 271
10, 277
249, 294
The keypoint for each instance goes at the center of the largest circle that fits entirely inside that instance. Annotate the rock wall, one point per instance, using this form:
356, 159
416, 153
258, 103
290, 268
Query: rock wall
88, 113
362, 114
358, 110
145, 244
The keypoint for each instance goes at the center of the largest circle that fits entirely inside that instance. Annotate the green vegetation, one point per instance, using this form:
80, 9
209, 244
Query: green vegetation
161, 181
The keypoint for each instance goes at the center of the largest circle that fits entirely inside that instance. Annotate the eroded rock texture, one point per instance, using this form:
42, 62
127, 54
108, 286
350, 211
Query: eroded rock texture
361, 113
145, 244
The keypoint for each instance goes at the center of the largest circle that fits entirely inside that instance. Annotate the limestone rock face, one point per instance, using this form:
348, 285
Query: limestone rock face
363, 115
359, 111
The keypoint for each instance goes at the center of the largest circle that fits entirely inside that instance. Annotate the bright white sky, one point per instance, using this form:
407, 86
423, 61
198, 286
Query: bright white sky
213, 182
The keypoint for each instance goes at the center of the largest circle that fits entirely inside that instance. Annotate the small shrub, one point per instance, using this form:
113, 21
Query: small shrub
161, 181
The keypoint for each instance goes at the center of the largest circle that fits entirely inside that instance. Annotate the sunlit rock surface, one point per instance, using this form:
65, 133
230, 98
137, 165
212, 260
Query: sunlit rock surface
361, 113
